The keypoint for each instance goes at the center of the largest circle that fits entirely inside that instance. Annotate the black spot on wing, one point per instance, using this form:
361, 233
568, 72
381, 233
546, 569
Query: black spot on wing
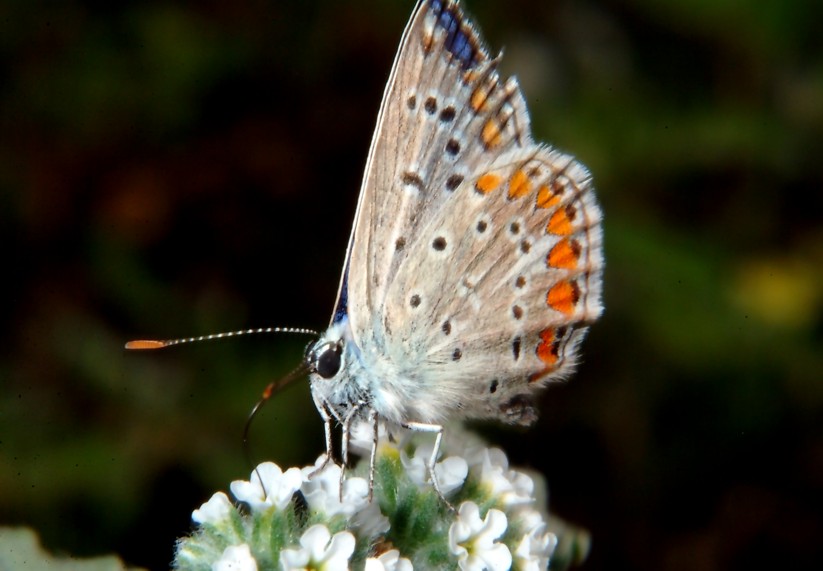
412, 179
516, 348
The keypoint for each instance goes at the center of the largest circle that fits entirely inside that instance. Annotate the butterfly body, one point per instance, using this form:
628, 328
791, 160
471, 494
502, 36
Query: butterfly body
475, 260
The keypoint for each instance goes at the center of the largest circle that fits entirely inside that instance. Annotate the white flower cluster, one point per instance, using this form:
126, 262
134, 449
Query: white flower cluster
481, 544
270, 490
294, 521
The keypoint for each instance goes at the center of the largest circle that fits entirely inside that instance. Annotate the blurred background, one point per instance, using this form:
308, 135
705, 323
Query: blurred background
174, 169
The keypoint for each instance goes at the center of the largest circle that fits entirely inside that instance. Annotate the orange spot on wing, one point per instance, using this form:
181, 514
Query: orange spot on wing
547, 348
548, 351
561, 222
520, 185
564, 255
563, 296
470, 76
487, 183
491, 134
546, 198
479, 97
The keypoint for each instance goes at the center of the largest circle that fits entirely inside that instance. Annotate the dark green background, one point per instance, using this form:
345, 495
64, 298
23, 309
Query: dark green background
177, 169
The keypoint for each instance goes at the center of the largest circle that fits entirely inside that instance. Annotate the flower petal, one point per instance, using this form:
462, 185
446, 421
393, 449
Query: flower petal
214, 511
315, 540
388, 561
268, 486
339, 551
236, 558
497, 558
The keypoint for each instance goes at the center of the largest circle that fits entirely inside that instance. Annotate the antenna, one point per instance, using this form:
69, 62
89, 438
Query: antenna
145, 344
268, 392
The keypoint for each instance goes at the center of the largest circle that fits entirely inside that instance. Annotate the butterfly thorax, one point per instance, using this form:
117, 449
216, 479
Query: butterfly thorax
344, 376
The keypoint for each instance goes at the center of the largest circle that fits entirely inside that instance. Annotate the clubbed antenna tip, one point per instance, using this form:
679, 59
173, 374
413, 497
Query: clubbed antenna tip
141, 344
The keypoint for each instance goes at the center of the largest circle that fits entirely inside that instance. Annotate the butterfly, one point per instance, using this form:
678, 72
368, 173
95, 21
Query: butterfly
475, 261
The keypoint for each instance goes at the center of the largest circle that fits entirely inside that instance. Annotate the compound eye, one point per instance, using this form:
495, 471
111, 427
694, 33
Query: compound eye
328, 360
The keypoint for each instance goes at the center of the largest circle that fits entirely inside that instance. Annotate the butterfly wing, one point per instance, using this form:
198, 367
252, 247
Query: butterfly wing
421, 111
475, 258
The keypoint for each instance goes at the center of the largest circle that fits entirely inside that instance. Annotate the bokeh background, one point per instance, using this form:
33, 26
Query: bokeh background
171, 169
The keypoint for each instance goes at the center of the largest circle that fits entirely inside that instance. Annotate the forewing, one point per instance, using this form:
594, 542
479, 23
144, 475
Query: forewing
444, 109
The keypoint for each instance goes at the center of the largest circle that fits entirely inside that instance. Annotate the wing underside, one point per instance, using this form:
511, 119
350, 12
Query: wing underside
476, 253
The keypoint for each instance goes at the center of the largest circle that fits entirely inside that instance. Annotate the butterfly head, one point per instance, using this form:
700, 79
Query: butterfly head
335, 371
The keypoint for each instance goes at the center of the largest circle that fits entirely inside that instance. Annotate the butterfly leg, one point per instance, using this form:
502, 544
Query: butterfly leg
324, 414
437, 428
373, 455
344, 447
